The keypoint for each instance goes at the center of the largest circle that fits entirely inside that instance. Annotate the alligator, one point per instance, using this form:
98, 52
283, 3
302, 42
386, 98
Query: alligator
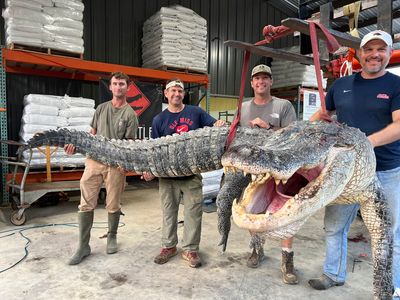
274, 180
297, 171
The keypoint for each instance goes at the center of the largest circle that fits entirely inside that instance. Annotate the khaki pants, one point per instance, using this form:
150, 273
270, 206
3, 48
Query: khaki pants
93, 177
192, 196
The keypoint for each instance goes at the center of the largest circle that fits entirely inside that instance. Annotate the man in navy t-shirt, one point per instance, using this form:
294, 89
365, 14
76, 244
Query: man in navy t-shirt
178, 118
370, 101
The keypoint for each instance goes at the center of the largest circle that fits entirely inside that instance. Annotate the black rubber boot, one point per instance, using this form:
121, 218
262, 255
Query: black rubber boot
113, 221
85, 220
287, 267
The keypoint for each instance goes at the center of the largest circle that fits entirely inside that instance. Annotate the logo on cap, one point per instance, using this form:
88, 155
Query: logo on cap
377, 35
261, 69
174, 83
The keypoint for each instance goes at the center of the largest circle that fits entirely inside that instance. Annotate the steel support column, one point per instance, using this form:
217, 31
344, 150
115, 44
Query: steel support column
3, 130
385, 16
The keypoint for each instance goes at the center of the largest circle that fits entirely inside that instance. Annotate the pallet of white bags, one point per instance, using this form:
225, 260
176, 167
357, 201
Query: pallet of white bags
15, 46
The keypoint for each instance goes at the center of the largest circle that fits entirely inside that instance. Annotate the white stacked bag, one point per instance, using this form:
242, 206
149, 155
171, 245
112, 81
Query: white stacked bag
55, 24
175, 37
211, 183
78, 111
47, 112
40, 114
287, 73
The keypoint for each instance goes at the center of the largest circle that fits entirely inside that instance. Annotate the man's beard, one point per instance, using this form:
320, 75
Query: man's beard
377, 69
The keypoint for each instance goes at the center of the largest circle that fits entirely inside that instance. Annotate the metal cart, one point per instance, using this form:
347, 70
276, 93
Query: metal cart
22, 195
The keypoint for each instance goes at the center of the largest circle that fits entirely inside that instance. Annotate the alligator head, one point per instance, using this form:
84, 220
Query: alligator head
298, 170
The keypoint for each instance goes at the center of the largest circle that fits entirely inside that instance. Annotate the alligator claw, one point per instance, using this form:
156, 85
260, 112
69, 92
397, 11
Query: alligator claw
223, 242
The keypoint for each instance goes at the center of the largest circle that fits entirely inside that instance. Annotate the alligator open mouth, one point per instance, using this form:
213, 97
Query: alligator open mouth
266, 195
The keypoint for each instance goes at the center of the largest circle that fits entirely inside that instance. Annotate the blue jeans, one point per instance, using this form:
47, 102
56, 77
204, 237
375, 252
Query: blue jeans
338, 219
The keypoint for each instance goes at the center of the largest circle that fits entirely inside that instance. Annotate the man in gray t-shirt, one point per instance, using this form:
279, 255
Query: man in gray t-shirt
114, 119
266, 111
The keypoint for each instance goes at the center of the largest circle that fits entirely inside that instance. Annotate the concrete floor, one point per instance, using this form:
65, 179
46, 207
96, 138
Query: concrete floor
131, 273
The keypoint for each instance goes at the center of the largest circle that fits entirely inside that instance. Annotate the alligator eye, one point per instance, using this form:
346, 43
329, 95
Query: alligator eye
343, 145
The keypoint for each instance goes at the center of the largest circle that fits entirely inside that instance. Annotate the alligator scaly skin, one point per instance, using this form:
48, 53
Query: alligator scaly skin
186, 154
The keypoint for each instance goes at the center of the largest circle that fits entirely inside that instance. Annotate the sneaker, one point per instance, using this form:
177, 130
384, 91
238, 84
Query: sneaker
193, 258
165, 255
255, 258
287, 267
323, 283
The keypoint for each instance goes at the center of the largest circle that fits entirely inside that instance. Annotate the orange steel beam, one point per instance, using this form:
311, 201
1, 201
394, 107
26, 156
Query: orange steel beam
38, 177
91, 67
41, 177
49, 73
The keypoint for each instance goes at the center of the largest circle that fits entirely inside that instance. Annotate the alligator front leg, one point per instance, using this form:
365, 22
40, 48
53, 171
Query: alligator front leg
257, 242
232, 187
377, 219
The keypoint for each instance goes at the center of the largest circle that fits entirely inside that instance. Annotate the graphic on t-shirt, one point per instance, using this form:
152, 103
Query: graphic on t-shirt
182, 128
181, 125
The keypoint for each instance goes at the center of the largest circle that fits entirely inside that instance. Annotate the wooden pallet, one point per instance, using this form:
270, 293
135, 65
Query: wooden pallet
14, 46
182, 70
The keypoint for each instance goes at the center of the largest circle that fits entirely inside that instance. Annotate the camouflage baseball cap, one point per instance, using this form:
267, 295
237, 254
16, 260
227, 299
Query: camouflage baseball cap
261, 69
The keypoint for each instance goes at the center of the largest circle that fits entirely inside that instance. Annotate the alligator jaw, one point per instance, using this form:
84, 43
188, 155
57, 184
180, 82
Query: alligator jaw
268, 203
266, 196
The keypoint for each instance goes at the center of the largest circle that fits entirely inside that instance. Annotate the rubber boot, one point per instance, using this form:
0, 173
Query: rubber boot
85, 220
113, 221
287, 267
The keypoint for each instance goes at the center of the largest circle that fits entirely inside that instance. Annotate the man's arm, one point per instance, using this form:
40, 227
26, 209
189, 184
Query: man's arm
257, 122
219, 123
320, 116
389, 134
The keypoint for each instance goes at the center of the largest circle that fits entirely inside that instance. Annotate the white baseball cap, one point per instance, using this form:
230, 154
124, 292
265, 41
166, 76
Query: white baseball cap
174, 83
261, 69
377, 35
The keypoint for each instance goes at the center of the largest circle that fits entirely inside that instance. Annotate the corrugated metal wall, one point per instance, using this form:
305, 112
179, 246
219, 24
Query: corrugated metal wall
113, 32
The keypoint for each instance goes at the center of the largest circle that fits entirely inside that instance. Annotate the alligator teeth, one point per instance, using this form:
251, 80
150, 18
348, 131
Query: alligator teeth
261, 178
244, 173
277, 181
225, 170
284, 181
253, 177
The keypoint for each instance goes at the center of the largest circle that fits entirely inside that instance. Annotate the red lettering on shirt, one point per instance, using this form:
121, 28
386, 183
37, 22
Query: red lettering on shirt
173, 124
185, 121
